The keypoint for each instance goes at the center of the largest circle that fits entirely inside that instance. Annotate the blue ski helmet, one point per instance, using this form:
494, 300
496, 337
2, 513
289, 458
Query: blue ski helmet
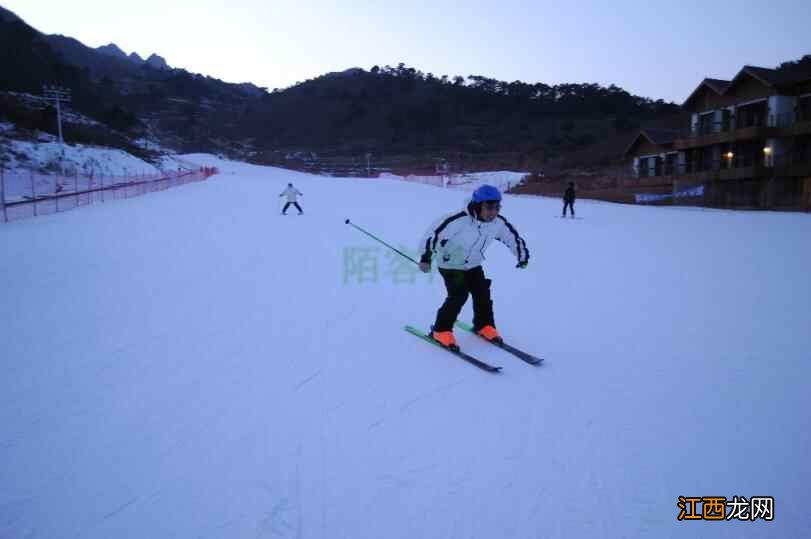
486, 193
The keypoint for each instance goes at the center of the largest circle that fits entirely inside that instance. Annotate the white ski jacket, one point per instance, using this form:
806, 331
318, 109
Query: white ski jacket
460, 239
292, 194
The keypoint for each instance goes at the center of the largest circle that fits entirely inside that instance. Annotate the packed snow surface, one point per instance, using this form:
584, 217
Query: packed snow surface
191, 363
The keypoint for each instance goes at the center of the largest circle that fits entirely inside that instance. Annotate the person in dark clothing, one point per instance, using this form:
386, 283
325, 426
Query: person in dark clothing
568, 199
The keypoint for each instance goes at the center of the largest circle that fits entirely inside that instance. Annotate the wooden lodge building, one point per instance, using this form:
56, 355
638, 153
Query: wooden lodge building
748, 145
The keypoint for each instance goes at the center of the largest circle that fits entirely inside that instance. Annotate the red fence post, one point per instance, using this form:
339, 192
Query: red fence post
33, 194
3, 195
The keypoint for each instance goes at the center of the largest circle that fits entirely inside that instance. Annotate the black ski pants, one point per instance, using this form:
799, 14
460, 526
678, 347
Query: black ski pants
460, 284
284, 210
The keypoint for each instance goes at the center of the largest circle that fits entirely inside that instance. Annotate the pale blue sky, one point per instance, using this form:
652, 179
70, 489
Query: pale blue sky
655, 49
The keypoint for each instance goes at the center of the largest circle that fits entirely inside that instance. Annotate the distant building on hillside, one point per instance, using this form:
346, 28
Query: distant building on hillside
748, 144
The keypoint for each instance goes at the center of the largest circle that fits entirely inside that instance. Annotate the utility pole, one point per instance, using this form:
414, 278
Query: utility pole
58, 94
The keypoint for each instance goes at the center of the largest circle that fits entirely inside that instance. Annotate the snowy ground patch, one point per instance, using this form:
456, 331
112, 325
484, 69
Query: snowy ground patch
45, 156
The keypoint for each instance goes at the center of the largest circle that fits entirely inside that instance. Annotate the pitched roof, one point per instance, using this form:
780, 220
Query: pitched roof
656, 135
661, 135
763, 74
716, 85
789, 74
774, 78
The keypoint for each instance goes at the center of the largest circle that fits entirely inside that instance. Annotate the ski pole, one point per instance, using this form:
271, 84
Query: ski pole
383, 242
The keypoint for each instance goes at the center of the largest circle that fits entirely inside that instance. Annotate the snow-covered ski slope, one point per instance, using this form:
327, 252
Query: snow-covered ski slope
191, 363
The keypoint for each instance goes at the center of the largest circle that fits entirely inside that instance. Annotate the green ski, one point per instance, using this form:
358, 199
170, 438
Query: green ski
455, 351
520, 354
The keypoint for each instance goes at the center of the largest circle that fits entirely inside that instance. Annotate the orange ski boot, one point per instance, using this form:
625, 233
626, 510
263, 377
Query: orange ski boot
445, 338
490, 333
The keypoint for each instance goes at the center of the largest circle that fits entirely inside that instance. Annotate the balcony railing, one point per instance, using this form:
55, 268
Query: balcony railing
746, 121
680, 169
746, 163
708, 128
742, 161
785, 119
800, 157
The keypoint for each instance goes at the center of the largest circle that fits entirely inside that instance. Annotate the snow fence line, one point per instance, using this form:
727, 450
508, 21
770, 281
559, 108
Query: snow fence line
28, 194
465, 181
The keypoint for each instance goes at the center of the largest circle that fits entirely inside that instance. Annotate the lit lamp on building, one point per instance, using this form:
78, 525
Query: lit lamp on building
767, 154
729, 156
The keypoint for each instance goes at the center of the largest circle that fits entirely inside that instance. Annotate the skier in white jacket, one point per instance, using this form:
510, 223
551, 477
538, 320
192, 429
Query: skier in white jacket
459, 240
292, 194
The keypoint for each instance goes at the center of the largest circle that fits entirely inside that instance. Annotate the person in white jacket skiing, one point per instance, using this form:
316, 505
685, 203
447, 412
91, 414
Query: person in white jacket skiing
292, 196
459, 241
